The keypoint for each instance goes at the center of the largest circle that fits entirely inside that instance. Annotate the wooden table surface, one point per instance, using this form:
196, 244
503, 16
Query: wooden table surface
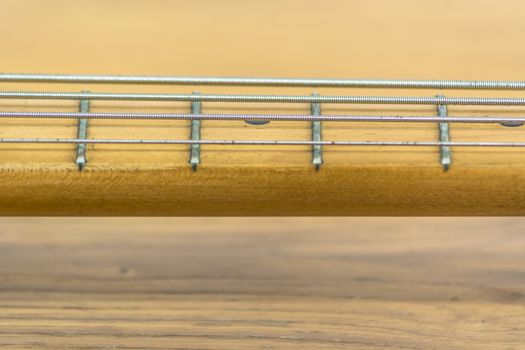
407, 283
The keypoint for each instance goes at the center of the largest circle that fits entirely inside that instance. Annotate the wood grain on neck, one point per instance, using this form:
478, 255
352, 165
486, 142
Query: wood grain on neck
258, 180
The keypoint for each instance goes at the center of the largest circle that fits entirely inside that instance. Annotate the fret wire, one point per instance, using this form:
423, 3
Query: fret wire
398, 100
253, 81
243, 117
262, 142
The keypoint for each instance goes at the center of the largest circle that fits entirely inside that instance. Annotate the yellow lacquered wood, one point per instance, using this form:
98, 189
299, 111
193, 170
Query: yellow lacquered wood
345, 39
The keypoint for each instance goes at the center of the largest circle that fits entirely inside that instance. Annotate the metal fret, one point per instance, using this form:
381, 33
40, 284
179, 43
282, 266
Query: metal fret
444, 136
317, 151
195, 149
82, 134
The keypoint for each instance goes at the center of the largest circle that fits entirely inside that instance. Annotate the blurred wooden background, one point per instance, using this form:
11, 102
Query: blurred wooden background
359, 283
